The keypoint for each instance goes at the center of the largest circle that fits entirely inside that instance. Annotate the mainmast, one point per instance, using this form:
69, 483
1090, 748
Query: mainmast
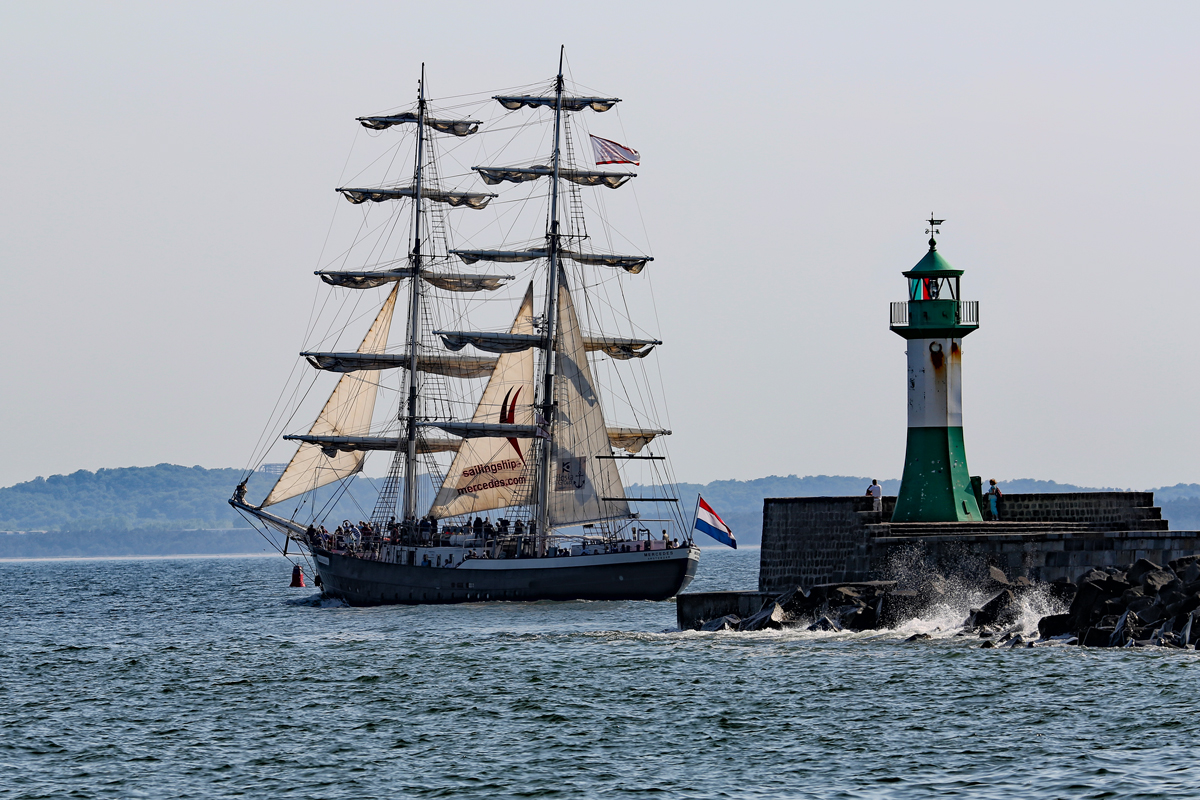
414, 307
549, 402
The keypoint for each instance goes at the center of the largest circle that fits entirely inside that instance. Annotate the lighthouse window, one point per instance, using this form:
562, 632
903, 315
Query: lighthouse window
932, 288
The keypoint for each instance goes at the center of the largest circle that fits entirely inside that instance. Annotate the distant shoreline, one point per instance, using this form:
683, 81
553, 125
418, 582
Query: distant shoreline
188, 556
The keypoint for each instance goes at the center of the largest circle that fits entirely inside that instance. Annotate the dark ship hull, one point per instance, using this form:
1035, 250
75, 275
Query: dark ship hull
645, 575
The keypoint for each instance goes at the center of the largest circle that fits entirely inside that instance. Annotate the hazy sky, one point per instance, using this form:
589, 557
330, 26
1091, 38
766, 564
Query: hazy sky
168, 167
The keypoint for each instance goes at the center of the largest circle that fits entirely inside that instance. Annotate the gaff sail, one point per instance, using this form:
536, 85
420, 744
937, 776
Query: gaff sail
347, 412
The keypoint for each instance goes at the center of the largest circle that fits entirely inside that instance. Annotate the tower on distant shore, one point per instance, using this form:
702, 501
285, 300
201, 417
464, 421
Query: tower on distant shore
936, 486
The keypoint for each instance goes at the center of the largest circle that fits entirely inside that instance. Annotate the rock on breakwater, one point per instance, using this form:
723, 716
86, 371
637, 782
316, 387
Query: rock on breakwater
1141, 605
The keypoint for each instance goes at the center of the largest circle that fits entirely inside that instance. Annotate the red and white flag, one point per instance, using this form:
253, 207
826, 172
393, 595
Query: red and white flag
609, 152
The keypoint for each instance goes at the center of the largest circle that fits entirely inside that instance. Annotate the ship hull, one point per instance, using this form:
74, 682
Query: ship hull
647, 575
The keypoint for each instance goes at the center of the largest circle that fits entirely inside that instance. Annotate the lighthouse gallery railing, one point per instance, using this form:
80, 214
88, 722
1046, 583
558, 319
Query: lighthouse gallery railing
968, 313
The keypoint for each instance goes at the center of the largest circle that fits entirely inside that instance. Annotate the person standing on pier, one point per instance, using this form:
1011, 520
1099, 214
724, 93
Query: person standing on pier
875, 491
994, 494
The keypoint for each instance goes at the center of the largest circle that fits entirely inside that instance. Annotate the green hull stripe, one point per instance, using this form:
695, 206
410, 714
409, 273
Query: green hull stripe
936, 486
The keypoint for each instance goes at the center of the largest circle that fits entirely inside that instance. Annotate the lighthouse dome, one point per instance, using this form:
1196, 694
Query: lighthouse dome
933, 266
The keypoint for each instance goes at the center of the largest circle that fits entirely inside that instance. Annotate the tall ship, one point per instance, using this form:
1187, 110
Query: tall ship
508, 476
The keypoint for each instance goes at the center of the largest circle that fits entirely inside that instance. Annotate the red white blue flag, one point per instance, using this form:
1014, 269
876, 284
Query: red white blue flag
708, 522
609, 152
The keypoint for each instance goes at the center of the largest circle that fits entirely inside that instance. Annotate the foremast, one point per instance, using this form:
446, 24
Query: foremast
549, 404
409, 505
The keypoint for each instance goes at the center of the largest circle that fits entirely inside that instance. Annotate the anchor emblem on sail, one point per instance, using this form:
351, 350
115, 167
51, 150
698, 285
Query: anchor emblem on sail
572, 475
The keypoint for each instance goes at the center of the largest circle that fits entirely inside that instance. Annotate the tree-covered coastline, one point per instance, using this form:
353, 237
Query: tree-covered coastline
170, 509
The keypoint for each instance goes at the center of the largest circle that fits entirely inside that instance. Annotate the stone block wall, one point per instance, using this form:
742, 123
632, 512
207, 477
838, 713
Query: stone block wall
1044, 557
1124, 511
811, 540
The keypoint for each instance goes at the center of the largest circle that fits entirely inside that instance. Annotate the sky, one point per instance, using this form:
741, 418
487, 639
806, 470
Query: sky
167, 172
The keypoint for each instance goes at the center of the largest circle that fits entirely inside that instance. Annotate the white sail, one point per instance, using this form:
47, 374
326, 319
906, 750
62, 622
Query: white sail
347, 412
490, 471
632, 440
583, 488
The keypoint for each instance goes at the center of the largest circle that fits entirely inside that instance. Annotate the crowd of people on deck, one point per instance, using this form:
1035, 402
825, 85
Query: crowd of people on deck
365, 540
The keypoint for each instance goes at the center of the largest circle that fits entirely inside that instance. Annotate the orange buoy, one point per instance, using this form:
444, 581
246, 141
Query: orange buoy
297, 576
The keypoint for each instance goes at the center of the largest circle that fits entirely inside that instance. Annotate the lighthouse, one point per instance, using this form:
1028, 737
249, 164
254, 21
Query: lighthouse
936, 485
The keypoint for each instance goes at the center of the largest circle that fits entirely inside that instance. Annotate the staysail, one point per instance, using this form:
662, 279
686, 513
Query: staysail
490, 471
347, 412
583, 488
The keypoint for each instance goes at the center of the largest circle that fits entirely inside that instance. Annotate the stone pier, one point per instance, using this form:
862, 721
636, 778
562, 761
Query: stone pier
817, 540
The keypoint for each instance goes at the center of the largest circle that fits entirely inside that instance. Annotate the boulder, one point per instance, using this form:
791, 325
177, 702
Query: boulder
1063, 590
1183, 565
987, 644
1140, 568
824, 624
1155, 580
918, 637
1055, 625
1000, 610
998, 576
864, 619
771, 617
1096, 637
1185, 605
729, 622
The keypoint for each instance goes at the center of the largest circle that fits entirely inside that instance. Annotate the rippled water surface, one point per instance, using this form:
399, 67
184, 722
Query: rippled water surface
210, 678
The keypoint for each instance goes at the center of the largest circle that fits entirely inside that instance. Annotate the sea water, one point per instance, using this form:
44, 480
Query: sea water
209, 677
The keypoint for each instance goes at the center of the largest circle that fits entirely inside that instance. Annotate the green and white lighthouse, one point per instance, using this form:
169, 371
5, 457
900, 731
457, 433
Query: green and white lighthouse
936, 486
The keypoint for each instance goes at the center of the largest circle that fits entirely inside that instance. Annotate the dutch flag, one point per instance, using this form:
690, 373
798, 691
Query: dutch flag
708, 522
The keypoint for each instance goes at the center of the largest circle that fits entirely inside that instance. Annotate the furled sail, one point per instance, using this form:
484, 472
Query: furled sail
494, 175
491, 342
449, 197
583, 488
449, 281
513, 102
347, 412
632, 440
490, 471
450, 366
457, 127
331, 444
631, 264
503, 256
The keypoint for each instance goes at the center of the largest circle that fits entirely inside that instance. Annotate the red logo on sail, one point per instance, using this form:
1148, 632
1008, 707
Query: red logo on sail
508, 413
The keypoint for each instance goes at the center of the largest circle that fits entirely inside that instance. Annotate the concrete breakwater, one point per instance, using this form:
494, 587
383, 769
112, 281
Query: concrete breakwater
809, 541
1142, 604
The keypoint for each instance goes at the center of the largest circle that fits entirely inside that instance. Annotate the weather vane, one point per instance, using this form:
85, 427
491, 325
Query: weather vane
932, 229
